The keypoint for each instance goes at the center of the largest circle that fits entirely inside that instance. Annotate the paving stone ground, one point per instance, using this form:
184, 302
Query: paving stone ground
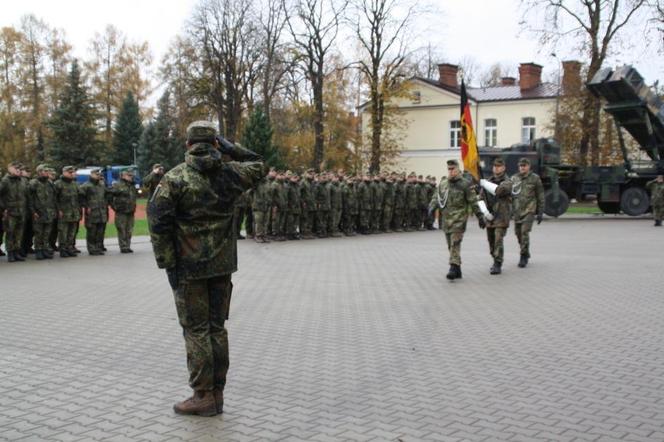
358, 339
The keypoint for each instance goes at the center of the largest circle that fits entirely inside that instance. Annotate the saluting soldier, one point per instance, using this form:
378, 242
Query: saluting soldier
656, 188
528, 201
294, 207
455, 197
281, 204
123, 201
412, 195
365, 202
151, 180
69, 211
323, 206
14, 196
399, 203
44, 211
308, 205
95, 204
388, 203
336, 206
500, 206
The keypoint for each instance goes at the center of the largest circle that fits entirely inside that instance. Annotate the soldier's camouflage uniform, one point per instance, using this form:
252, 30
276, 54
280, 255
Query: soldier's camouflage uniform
336, 208
323, 208
281, 204
423, 199
365, 203
241, 206
67, 197
411, 199
261, 206
500, 205
528, 202
429, 217
399, 205
201, 192
43, 206
95, 202
150, 183
294, 209
455, 197
656, 199
350, 207
378, 195
388, 206
123, 201
308, 207
14, 196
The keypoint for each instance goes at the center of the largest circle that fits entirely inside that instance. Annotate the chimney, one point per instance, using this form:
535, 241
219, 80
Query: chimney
530, 75
571, 82
507, 81
448, 75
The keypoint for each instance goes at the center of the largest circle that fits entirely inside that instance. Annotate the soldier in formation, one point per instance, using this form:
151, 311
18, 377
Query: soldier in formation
123, 201
656, 188
528, 206
499, 203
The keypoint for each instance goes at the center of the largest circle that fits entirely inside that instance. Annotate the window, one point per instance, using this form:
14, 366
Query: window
527, 129
490, 132
455, 133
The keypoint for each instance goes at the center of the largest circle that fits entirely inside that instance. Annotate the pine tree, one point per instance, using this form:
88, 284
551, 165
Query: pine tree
168, 147
145, 147
74, 140
127, 131
257, 136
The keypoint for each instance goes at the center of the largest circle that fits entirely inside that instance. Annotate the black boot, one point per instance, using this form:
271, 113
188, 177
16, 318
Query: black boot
458, 270
455, 272
39, 255
10, 257
496, 268
523, 262
65, 254
658, 223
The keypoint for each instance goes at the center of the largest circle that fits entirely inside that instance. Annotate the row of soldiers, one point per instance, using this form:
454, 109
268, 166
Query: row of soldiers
42, 210
285, 205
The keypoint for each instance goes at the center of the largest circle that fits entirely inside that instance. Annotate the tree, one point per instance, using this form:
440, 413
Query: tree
74, 139
257, 136
168, 147
382, 32
594, 25
314, 25
146, 145
127, 132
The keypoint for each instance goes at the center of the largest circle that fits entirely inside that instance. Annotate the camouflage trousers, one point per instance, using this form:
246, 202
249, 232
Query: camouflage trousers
349, 223
14, 226
387, 219
124, 223
376, 218
364, 221
658, 212
454, 246
67, 234
292, 223
522, 231
279, 221
413, 218
260, 222
322, 217
429, 219
496, 235
53, 237
94, 236
334, 221
397, 219
307, 221
202, 306
28, 235
43, 235
249, 221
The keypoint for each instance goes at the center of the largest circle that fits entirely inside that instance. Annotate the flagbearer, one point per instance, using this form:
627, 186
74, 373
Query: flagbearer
497, 193
454, 197
528, 193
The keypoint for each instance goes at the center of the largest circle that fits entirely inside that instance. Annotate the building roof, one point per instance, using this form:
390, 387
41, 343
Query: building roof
499, 93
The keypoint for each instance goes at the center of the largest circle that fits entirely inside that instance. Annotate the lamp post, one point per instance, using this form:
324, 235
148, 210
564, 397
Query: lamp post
133, 146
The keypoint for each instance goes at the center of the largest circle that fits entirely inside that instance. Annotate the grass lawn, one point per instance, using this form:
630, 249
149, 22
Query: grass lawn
140, 229
584, 209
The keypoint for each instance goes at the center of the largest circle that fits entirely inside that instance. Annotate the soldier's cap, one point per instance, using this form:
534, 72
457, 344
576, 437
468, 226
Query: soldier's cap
68, 169
128, 171
454, 163
524, 161
95, 171
201, 131
43, 168
15, 164
156, 166
498, 161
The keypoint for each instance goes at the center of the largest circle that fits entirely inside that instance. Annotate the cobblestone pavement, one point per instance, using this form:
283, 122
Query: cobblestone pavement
358, 339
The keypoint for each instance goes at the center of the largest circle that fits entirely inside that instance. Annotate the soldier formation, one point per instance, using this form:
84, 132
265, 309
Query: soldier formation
41, 215
287, 206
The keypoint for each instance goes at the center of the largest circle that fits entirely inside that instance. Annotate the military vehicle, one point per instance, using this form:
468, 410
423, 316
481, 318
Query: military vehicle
634, 108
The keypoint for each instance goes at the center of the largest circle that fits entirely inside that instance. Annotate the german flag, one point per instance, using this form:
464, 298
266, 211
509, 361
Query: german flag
469, 154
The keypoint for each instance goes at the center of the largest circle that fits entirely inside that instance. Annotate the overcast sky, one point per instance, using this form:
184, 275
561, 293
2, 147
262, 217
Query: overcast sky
486, 30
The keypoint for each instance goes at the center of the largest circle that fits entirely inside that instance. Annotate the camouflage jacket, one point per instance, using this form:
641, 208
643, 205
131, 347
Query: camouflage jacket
190, 213
14, 196
411, 196
294, 199
336, 199
422, 194
455, 197
307, 195
500, 204
389, 195
123, 197
67, 197
281, 195
364, 199
377, 194
349, 196
323, 196
150, 183
94, 199
656, 192
262, 196
528, 197
42, 200
399, 195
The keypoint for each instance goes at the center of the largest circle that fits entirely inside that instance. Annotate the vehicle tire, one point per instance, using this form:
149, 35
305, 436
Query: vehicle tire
555, 209
608, 207
634, 201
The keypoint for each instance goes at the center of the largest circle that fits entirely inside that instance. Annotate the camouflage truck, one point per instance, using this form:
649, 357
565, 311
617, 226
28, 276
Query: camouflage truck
636, 109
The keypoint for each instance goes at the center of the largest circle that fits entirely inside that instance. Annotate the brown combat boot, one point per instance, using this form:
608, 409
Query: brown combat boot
219, 399
202, 403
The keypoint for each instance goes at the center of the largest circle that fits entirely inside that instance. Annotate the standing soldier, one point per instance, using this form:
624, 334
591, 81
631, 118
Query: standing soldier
308, 205
281, 203
528, 193
431, 189
499, 203
69, 211
294, 207
399, 203
14, 197
422, 202
364, 200
29, 231
95, 206
44, 211
199, 262
272, 195
455, 197
53, 237
261, 205
350, 206
336, 206
239, 213
322, 206
123, 202
151, 180
388, 203
411, 203
656, 188
377, 196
